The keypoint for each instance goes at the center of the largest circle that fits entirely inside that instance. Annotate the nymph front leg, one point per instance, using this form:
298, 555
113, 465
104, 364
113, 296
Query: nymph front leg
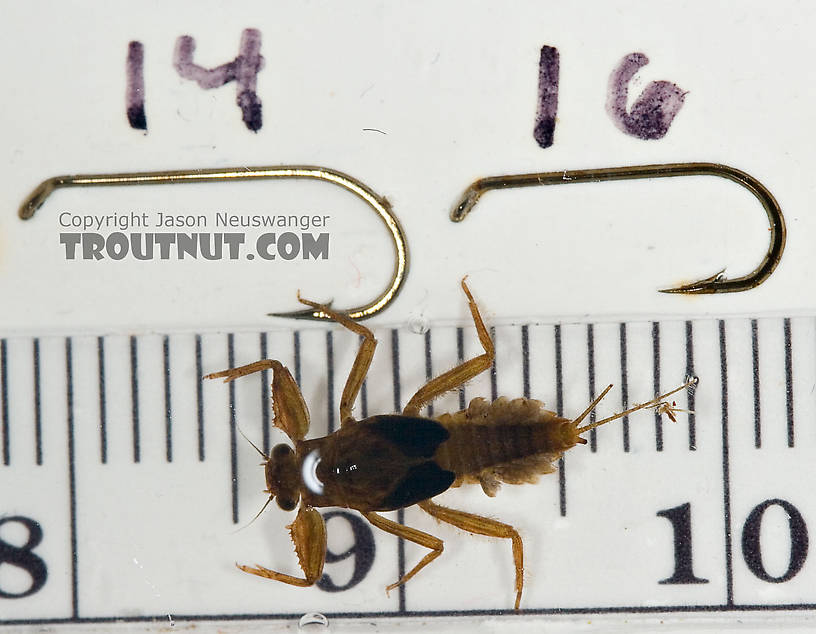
308, 532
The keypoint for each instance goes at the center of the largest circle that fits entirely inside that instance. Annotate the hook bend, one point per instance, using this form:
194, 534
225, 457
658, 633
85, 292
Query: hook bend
379, 204
716, 283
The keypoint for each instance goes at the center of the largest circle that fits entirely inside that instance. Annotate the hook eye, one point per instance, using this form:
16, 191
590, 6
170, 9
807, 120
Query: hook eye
379, 204
716, 283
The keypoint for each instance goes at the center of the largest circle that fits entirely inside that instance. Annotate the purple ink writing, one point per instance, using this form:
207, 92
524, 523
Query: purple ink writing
243, 70
548, 65
655, 108
134, 92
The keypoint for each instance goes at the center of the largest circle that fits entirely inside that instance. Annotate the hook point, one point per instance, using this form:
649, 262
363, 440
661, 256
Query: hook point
308, 313
312, 313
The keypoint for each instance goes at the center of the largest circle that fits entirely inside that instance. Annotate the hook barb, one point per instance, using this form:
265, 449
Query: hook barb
704, 286
716, 283
228, 174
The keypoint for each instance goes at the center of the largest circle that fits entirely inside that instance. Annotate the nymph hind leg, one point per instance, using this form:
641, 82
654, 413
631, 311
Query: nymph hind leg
413, 535
483, 526
361, 363
461, 374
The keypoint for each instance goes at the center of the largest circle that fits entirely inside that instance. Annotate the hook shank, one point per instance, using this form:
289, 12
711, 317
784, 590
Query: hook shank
379, 204
716, 283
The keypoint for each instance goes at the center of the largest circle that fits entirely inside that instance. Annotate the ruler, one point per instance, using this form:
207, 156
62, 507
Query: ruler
124, 481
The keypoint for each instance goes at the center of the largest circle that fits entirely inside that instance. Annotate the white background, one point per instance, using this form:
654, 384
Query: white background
453, 86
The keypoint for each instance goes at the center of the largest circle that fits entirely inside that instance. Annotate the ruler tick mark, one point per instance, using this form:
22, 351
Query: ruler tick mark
72, 499
692, 429
330, 380
624, 385
395, 376
559, 399
37, 402
729, 575
364, 399
199, 398
265, 396
233, 424
755, 366
494, 388
134, 396
656, 383
789, 379
525, 361
296, 345
4, 419
590, 335
103, 408
460, 358
168, 409
428, 367
363, 392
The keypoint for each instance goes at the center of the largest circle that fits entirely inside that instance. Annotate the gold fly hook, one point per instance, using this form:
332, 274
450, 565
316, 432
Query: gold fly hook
717, 283
379, 204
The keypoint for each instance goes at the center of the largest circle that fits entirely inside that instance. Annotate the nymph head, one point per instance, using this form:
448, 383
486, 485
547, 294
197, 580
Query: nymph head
282, 477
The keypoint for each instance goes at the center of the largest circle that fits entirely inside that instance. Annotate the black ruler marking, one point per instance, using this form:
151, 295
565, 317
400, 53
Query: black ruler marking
330, 381
364, 399
168, 410
296, 347
395, 377
72, 498
624, 385
363, 392
4, 419
593, 437
233, 425
656, 384
581, 610
37, 402
755, 361
525, 360
199, 398
559, 399
265, 397
460, 359
103, 403
494, 386
428, 368
729, 575
134, 397
690, 372
788, 379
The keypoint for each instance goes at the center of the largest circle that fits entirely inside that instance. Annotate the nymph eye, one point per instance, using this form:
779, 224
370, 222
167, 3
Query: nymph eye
286, 505
280, 451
